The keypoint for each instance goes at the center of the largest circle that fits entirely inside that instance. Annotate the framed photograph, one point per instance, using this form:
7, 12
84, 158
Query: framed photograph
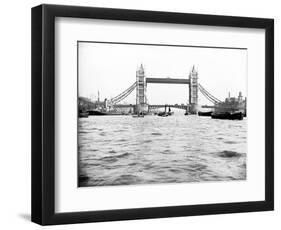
142, 114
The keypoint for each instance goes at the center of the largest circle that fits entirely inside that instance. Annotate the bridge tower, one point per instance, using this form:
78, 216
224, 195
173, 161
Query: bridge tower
141, 101
193, 91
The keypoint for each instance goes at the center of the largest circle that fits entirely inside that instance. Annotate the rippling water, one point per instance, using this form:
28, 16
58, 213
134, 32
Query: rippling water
122, 150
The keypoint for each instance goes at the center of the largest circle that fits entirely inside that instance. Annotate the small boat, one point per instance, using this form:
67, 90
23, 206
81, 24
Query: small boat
163, 114
83, 114
170, 113
101, 113
186, 113
96, 113
205, 114
228, 116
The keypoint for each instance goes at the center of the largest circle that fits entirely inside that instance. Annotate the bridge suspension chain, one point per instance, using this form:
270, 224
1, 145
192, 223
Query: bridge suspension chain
210, 99
122, 95
209, 96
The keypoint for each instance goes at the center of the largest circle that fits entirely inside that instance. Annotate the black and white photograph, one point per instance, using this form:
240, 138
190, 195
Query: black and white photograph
160, 113
141, 114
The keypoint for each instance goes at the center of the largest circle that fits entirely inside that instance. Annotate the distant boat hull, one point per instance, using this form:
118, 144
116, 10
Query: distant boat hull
228, 116
83, 114
100, 113
205, 114
163, 114
96, 113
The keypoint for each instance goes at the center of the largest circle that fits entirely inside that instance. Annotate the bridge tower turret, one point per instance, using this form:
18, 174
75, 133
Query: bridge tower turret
141, 101
193, 91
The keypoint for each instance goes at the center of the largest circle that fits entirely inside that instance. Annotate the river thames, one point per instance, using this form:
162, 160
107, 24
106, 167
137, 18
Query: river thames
122, 150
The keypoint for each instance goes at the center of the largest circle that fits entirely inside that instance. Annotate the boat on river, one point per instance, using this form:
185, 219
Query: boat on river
83, 114
96, 113
205, 114
163, 114
102, 113
228, 116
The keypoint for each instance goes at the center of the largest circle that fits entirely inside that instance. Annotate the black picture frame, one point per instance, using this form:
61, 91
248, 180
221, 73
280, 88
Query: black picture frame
43, 114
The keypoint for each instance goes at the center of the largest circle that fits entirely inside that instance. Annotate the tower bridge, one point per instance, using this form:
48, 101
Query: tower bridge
142, 105
140, 85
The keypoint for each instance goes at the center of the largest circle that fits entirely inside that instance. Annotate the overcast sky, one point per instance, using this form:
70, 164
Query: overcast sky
111, 68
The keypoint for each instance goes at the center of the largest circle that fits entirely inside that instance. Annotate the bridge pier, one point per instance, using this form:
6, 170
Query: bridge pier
193, 91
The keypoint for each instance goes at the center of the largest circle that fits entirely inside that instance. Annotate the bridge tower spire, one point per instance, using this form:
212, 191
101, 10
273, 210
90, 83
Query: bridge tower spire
141, 100
193, 90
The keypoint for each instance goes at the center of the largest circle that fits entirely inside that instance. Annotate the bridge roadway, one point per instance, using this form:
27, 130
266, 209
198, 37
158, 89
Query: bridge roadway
167, 80
171, 106
154, 106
